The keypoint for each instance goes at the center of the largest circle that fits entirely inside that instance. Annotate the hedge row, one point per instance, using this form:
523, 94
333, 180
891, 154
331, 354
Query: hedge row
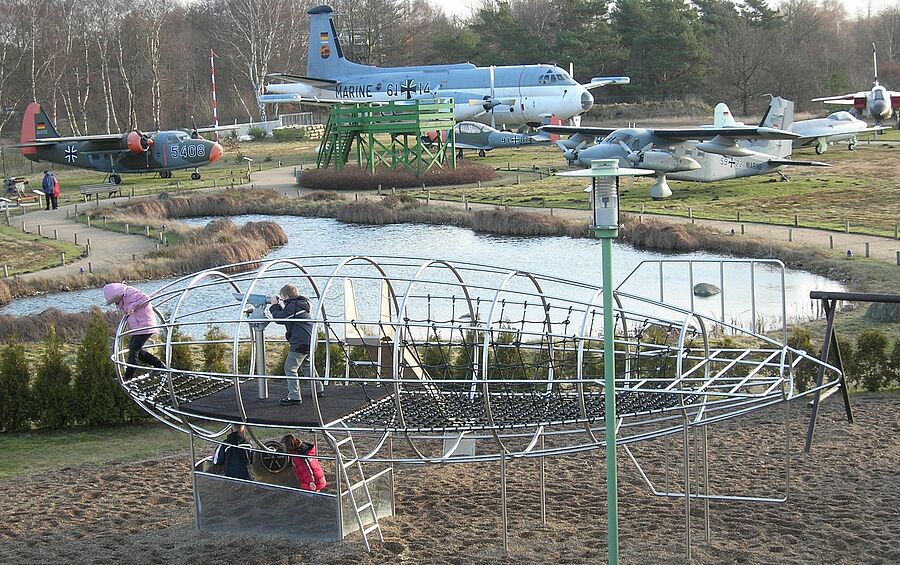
867, 364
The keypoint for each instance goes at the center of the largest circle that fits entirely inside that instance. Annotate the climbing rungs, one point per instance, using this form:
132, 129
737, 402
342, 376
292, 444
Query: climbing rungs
343, 441
350, 463
372, 528
365, 506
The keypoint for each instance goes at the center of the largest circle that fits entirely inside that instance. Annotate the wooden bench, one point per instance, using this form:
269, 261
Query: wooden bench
89, 190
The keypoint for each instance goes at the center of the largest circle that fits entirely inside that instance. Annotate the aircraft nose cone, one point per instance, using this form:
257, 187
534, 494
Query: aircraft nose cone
880, 108
215, 152
587, 101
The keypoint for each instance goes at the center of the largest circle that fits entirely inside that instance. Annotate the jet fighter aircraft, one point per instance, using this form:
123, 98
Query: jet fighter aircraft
725, 150
482, 137
839, 126
520, 94
878, 103
115, 153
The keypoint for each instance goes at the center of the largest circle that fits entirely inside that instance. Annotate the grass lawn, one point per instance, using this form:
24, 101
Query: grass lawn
31, 452
858, 188
25, 253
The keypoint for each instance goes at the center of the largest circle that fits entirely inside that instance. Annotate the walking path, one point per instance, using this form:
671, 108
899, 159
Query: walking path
110, 249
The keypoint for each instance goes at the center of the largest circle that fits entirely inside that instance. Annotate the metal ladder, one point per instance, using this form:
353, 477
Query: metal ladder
345, 465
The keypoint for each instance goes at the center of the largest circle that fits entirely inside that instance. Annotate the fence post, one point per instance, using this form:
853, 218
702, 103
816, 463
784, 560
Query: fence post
76, 238
691, 214
88, 218
896, 227
40, 232
830, 242
517, 179
738, 215
379, 190
427, 197
867, 249
6, 267
847, 226
62, 258
147, 231
56, 235
104, 222
90, 267
742, 229
127, 229
898, 258
790, 234
642, 207
796, 220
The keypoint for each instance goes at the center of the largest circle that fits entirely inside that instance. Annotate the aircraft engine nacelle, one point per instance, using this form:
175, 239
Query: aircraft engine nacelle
138, 142
665, 162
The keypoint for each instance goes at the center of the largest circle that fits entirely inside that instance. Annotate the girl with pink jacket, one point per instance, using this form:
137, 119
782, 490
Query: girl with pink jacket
139, 318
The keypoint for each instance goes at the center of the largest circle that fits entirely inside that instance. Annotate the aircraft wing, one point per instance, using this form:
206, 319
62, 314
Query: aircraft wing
312, 81
214, 128
460, 145
572, 130
798, 163
843, 99
295, 98
53, 140
597, 82
739, 132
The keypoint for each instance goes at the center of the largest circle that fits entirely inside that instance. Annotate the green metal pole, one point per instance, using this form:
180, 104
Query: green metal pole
609, 378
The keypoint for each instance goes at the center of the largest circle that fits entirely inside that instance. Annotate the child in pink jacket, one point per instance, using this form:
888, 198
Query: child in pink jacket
140, 319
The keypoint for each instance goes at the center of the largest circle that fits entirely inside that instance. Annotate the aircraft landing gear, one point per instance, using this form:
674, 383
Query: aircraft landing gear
459, 153
165, 174
784, 177
821, 147
481, 153
851, 146
195, 176
115, 179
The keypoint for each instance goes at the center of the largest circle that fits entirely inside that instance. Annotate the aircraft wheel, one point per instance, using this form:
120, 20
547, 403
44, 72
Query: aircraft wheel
115, 179
165, 174
820, 148
195, 176
851, 146
481, 153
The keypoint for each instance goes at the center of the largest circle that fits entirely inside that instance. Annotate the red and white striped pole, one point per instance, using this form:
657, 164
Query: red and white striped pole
215, 109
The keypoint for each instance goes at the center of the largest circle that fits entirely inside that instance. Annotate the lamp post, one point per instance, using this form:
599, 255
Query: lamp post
604, 174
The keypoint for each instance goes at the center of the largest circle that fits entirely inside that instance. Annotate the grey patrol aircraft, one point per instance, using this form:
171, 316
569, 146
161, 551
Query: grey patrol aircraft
115, 153
520, 94
725, 150
839, 126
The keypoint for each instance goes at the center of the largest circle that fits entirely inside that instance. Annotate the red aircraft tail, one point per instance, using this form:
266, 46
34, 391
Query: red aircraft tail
36, 125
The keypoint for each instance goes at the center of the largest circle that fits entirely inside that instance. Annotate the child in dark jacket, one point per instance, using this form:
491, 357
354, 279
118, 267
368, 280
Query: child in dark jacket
291, 309
234, 455
308, 471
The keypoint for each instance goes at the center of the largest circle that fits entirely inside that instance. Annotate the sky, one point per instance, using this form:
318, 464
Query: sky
464, 8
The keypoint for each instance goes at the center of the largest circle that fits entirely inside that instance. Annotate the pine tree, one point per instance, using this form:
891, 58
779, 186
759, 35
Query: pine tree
52, 391
14, 397
182, 359
215, 352
871, 360
99, 401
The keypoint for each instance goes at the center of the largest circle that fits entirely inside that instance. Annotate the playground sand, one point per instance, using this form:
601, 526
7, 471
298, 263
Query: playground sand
843, 506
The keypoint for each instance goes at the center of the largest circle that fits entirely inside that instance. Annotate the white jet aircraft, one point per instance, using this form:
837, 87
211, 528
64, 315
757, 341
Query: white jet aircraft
520, 94
839, 126
878, 103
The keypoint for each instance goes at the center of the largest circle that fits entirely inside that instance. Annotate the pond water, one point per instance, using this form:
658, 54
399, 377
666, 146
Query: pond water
568, 258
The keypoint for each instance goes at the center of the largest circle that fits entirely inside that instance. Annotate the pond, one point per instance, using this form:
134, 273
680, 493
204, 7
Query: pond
564, 257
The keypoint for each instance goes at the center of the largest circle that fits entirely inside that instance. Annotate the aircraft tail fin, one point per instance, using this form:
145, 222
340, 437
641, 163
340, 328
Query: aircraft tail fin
325, 58
875, 65
779, 115
722, 116
36, 125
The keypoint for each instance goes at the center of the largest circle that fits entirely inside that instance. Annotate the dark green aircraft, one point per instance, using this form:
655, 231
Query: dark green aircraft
115, 153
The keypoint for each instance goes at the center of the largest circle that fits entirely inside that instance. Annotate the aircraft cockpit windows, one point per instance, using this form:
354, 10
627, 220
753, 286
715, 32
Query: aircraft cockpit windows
544, 79
841, 117
616, 137
181, 136
878, 95
469, 128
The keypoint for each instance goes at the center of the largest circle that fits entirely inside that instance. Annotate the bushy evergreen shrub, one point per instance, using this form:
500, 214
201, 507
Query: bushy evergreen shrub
894, 364
14, 394
182, 358
806, 371
99, 400
215, 353
51, 391
871, 360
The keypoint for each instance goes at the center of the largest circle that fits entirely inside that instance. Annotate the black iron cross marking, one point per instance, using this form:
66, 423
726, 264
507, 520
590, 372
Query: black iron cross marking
408, 88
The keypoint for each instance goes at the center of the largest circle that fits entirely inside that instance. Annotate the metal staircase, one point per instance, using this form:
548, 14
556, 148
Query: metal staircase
364, 508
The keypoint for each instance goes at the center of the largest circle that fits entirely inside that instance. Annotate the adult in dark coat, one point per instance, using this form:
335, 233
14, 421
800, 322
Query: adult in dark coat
234, 455
291, 309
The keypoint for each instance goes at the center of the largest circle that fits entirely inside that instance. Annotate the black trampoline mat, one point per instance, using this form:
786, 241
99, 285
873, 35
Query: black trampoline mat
339, 401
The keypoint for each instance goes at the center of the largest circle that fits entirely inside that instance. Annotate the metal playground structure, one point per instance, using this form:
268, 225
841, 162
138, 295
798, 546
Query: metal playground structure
437, 362
390, 135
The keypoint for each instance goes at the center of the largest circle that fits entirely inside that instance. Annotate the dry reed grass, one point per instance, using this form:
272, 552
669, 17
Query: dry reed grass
69, 327
520, 223
354, 178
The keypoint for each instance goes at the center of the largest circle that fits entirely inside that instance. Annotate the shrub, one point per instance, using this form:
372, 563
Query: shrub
518, 223
182, 358
338, 363
894, 363
215, 352
52, 391
14, 395
871, 360
806, 371
99, 400
258, 133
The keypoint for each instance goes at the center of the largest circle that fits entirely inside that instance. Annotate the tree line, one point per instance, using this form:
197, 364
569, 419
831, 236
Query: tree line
113, 65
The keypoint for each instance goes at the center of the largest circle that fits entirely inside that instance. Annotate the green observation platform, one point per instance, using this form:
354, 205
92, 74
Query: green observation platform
390, 135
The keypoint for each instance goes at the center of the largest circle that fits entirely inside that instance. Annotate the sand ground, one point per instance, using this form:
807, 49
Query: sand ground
843, 506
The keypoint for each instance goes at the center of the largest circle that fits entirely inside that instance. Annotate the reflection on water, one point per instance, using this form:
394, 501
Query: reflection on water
563, 257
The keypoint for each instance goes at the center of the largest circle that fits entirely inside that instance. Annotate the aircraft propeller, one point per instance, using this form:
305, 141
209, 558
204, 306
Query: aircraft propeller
635, 156
570, 154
